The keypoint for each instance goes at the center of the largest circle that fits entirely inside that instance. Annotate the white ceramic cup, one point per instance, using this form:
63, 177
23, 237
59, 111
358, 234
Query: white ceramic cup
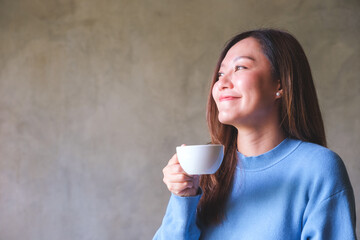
200, 159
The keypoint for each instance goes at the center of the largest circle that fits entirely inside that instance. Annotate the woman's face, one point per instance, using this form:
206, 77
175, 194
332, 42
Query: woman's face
245, 92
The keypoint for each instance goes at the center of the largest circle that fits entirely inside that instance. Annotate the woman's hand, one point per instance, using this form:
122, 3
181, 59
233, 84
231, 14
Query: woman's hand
178, 181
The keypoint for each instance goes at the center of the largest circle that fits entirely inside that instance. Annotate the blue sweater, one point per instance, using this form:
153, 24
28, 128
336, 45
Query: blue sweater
297, 190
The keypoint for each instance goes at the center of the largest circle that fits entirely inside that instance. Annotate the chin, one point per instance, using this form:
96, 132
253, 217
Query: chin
226, 120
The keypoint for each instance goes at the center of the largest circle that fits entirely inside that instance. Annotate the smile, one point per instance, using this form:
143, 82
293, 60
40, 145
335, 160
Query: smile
227, 98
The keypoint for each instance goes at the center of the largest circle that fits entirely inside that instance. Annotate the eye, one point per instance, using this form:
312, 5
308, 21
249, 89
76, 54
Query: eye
239, 68
220, 74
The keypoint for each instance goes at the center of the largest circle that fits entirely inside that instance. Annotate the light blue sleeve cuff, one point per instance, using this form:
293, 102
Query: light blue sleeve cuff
182, 210
180, 219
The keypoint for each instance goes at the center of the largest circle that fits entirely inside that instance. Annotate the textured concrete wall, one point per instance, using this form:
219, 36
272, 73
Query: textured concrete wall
96, 95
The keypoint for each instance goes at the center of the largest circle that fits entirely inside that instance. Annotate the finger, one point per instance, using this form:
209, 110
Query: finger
178, 178
173, 160
175, 169
179, 187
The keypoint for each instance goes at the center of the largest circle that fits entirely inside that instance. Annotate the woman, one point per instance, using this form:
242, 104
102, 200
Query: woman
277, 180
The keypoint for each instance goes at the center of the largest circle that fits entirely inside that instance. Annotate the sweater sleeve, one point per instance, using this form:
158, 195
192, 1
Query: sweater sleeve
180, 219
332, 219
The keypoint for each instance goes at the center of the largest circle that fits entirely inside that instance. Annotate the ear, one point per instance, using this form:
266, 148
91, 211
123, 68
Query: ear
279, 91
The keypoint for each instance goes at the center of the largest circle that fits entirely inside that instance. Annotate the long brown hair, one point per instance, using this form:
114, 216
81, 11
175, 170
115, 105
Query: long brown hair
299, 113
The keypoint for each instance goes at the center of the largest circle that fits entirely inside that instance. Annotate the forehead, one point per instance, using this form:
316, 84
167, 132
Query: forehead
248, 47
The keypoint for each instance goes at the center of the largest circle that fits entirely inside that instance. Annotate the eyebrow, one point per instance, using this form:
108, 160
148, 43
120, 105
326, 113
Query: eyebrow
241, 57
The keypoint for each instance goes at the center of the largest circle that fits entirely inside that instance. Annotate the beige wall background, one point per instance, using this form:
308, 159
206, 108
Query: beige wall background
96, 95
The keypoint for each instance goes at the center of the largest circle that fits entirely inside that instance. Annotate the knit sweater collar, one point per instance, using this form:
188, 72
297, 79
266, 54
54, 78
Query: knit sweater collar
268, 159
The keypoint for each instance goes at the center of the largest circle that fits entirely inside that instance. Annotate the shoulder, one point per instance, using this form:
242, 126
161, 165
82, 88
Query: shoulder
324, 170
318, 157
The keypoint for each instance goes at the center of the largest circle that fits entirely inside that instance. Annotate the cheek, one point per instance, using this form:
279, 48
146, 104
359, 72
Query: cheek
244, 85
250, 83
214, 91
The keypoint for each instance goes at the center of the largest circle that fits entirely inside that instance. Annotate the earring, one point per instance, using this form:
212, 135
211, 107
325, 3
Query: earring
278, 94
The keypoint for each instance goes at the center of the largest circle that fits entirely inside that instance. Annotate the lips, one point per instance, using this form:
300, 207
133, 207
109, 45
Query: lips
227, 98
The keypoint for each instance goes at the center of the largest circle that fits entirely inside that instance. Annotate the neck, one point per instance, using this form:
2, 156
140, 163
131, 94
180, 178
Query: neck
256, 141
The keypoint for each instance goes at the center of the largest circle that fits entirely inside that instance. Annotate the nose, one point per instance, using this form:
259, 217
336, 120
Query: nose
225, 82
